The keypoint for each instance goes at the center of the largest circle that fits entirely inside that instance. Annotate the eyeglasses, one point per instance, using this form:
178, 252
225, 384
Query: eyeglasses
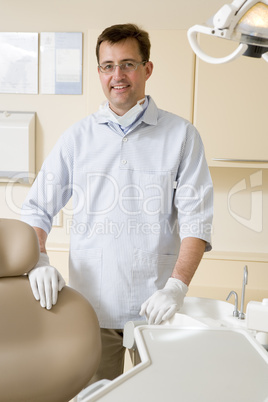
109, 68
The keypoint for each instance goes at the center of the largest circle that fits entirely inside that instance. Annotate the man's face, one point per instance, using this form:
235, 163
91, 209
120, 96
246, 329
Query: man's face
123, 90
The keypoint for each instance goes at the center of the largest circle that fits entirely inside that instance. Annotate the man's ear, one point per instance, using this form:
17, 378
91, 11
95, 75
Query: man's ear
149, 69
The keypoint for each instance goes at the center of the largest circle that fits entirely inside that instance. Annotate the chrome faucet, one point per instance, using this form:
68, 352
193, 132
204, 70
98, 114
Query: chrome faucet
240, 314
245, 281
235, 312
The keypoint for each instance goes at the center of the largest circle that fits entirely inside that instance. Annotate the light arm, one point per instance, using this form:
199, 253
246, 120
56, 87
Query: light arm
265, 56
226, 24
192, 37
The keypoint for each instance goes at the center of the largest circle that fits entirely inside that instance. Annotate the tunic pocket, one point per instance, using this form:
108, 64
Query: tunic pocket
149, 273
86, 273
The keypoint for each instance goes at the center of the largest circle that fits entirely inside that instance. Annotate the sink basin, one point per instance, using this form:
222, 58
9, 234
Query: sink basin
202, 307
202, 311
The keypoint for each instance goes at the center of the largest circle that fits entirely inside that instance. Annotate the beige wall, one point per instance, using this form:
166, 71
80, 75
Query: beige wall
234, 243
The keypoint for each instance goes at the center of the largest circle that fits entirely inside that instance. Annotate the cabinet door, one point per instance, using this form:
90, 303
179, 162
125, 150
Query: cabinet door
172, 82
231, 105
215, 278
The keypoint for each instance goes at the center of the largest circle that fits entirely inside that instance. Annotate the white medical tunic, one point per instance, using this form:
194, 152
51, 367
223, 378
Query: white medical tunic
134, 197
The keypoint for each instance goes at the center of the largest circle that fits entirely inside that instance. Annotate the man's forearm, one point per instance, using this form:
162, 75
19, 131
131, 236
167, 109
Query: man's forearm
42, 237
191, 253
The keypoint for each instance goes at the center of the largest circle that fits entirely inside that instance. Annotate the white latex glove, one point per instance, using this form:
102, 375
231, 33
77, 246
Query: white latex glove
45, 282
163, 304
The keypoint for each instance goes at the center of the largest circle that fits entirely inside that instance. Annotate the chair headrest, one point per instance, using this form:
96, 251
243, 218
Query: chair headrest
19, 247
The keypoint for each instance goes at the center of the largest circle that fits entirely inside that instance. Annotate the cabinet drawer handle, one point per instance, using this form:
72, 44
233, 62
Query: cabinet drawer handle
240, 160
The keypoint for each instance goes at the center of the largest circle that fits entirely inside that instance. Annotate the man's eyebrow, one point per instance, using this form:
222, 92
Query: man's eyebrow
121, 61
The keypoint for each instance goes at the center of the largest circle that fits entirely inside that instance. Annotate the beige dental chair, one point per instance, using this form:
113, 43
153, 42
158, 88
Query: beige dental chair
45, 356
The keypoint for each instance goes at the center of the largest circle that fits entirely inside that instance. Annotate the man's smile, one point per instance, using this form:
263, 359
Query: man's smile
120, 87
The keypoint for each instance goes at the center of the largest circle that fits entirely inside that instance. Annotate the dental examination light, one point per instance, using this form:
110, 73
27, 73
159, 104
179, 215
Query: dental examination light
243, 21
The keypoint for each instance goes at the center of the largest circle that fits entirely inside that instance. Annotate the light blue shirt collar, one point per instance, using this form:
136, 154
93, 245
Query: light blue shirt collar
148, 116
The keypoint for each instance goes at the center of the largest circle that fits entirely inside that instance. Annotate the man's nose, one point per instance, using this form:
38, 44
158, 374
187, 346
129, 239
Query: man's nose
118, 73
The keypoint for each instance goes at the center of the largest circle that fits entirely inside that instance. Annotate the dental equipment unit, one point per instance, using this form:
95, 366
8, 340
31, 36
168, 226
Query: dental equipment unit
243, 21
195, 356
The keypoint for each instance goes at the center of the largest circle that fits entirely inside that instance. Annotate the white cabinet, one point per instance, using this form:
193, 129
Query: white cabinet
231, 107
17, 147
221, 272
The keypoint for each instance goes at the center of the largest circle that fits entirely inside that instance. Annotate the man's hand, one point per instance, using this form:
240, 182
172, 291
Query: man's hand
45, 282
163, 304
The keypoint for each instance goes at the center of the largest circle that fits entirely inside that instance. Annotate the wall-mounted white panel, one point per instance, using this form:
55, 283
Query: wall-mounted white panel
61, 63
17, 146
19, 62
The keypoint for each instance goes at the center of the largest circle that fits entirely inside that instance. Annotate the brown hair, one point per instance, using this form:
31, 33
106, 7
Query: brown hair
116, 33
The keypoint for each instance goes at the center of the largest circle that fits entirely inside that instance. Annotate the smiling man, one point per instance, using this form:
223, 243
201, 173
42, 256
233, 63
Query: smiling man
142, 201
125, 86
